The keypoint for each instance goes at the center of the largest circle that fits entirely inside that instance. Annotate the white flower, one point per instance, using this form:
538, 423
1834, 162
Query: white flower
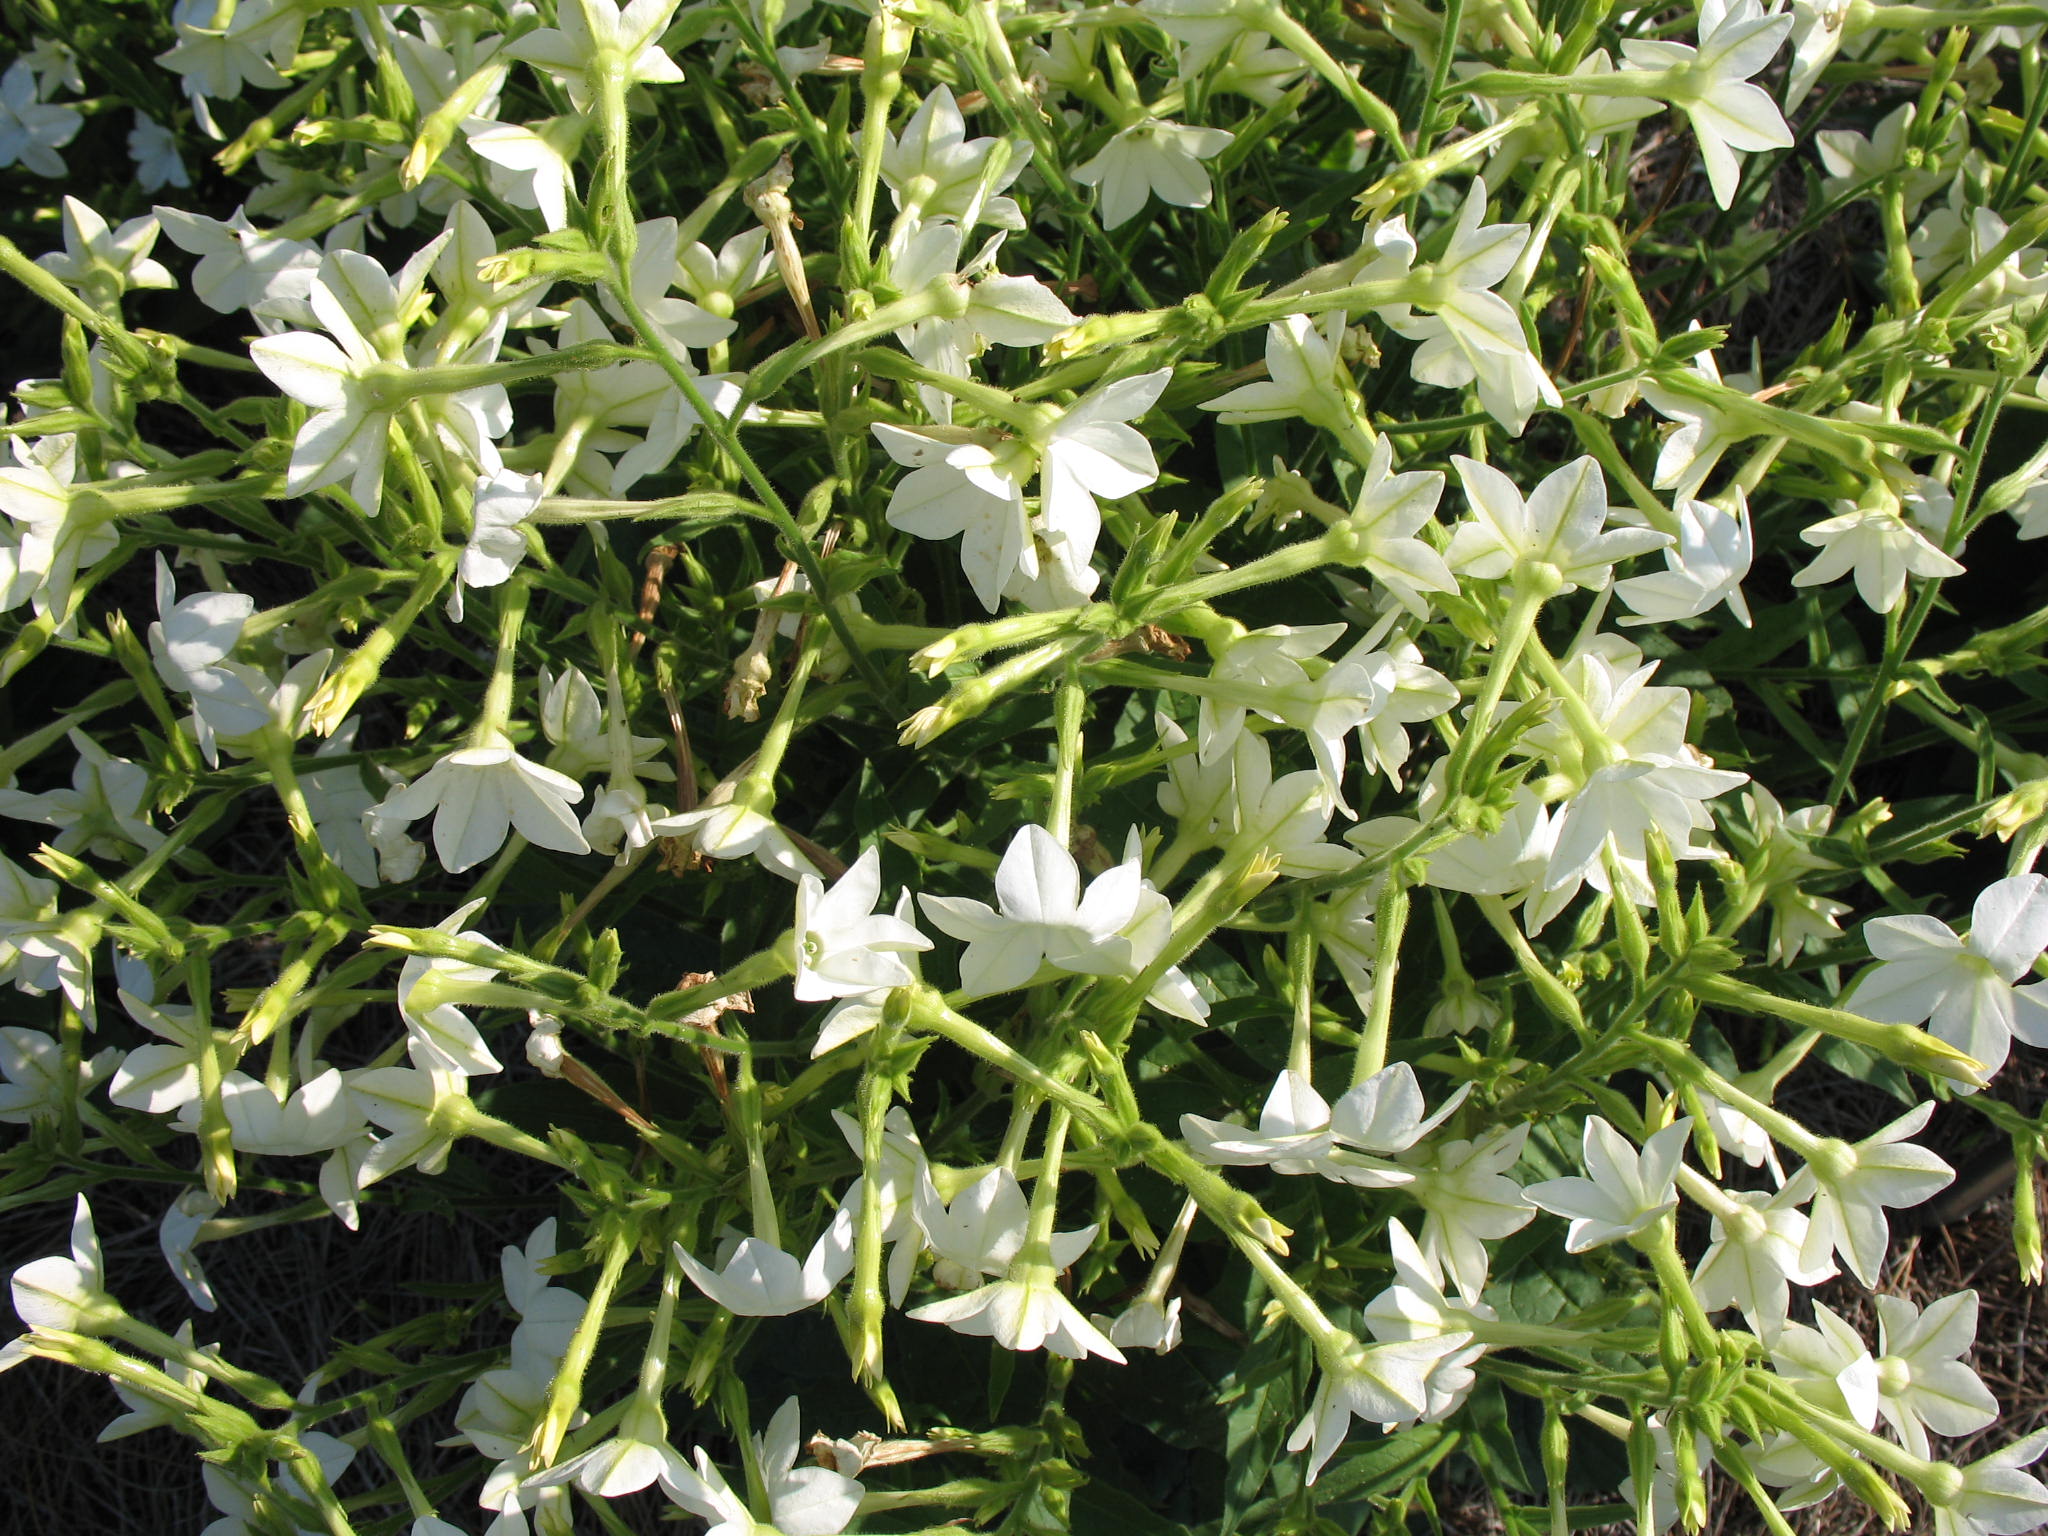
1851, 1186
1624, 1191
1851, 159
935, 171
758, 1279
157, 1079
1880, 547
1384, 1384
1473, 335
1153, 158
1922, 1383
354, 382
477, 795
242, 268
1299, 1133
1711, 86
502, 503
1755, 1258
958, 485
1304, 377
594, 34
260, 35
1144, 1324
1828, 1365
1023, 1312
1964, 989
531, 165
980, 1231
843, 947
732, 829
1997, 1498
1562, 523
104, 812
1464, 1188
807, 1500
1706, 427
439, 1036
318, 1117
67, 1294
1045, 919
1415, 1307
1706, 567
1091, 451
104, 263
37, 1084
60, 527
154, 149
31, 131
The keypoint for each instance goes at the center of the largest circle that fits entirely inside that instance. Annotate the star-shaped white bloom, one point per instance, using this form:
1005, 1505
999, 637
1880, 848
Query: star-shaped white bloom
32, 130
1851, 159
1562, 523
439, 1035
104, 263
1415, 1307
1706, 427
1304, 377
733, 829
503, 500
1964, 989
935, 171
1755, 1258
154, 148
240, 266
1473, 335
1042, 918
843, 947
1153, 158
1922, 1382
1879, 547
1025, 1311
104, 812
477, 795
1383, 1384
1623, 1192
1851, 1185
1300, 1133
594, 36
353, 377
1706, 567
67, 1294
758, 1279
959, 485
1710, 84
1996, 1497
1464, 1188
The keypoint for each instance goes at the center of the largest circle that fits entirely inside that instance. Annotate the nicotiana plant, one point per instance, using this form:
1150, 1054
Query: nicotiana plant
1132, 711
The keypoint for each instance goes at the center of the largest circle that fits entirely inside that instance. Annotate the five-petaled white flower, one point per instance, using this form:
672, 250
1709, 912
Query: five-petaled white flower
1965, 990
1044, 918
478, 794
843, 946
1851, 1185
31, 129
1879, 547
1562, 524
1710, 84
1623, 1192
1706, 567
596, 38
1153, 158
